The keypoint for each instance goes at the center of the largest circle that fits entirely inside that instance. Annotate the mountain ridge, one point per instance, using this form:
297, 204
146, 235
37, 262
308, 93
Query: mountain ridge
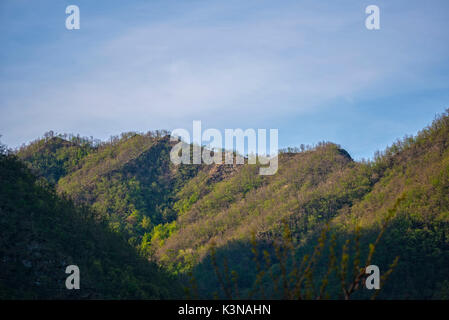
174, 214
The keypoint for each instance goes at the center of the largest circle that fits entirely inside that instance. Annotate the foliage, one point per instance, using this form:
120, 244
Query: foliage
173, 214
43, 233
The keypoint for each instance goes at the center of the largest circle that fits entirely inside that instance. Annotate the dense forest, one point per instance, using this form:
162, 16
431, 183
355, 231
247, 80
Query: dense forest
139, 226
42, 233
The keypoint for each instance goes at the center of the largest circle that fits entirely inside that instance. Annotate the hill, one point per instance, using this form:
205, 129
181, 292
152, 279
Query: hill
320, 187
174, 215
43, 233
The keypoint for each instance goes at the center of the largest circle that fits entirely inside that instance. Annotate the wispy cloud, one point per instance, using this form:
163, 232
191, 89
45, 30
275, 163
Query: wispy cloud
223, 66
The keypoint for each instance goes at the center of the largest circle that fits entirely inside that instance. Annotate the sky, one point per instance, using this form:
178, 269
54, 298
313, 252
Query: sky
310, 69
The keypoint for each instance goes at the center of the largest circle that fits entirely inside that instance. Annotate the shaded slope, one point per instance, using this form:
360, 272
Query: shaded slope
42, 234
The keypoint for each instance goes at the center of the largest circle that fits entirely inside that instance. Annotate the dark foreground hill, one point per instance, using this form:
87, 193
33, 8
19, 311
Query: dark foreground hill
42, 233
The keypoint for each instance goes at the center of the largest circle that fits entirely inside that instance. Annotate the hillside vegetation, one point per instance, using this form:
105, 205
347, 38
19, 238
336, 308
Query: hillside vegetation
174, 215
42, 233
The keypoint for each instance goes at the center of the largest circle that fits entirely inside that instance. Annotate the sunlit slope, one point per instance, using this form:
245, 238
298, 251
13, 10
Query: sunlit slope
309, 187
416, 178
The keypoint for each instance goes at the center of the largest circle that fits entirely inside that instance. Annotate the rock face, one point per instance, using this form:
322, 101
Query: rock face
220, 172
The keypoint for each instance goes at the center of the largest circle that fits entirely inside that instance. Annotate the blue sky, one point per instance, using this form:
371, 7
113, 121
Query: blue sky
308, 68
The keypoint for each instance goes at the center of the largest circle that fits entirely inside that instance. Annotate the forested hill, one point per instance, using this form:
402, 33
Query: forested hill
174, 214
43, 233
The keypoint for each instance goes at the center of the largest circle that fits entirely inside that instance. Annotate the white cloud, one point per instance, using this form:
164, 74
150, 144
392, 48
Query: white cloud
167, 73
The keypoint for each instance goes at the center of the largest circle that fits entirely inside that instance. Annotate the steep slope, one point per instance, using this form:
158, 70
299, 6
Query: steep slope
412, 176
322, 186
130, 182
309, 187
42, 233
416, 176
